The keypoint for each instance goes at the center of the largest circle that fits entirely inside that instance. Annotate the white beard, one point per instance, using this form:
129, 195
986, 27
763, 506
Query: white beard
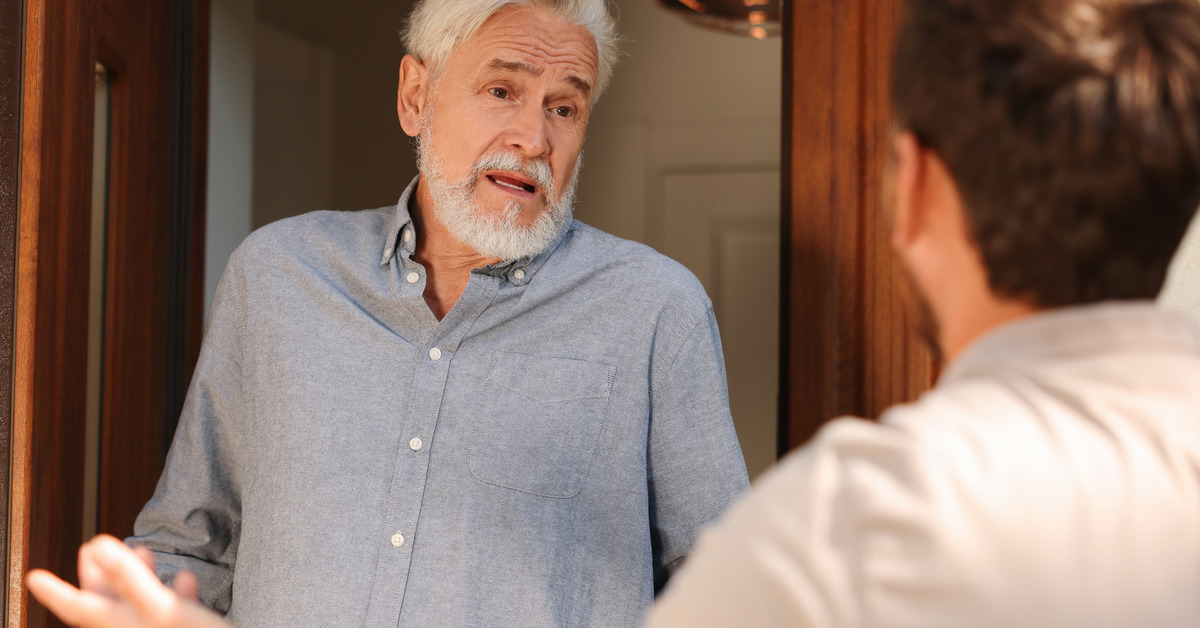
496, 236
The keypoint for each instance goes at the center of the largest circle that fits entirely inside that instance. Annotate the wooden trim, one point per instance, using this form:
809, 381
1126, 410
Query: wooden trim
10, 160
63, 39
898, 368
51, 330
135, 44
189, 141
847, 348
783, 428
196, 268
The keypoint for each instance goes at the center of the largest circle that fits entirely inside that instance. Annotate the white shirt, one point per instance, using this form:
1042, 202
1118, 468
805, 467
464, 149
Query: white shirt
1052, 478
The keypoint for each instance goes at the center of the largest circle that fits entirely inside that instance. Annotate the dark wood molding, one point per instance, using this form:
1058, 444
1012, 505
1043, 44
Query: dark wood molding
134, 39
783, 402
848, 350
10, 169
63, 41
50, 345
186, 220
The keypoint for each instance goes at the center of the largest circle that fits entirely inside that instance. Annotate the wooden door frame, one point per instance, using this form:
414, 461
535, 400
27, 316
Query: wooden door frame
846, 345
48, 334
154, 265
11, 27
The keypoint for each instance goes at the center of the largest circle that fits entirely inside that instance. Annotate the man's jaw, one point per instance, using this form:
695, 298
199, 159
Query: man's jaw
459, 206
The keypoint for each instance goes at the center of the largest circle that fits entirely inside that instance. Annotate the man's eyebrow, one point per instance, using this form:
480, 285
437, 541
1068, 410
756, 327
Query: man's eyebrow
584, 88
524, 67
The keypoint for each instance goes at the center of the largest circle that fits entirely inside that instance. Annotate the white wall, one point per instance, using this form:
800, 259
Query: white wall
683, 154
674, 78
1182, 291
371, 160
230, 136
293, 125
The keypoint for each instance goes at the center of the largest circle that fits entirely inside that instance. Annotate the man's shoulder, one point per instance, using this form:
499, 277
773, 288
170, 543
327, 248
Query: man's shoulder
319, 233
630, 266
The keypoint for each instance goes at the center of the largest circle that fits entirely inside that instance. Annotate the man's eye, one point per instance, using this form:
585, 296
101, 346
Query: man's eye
499, 92
562, 112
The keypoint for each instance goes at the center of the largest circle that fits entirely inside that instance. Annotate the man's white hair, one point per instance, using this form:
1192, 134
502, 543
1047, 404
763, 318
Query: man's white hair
437, 28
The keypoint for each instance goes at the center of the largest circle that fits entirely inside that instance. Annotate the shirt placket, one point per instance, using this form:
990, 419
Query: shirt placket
411, 470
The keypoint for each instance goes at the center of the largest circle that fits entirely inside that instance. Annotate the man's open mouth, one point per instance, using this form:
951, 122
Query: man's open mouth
513, 182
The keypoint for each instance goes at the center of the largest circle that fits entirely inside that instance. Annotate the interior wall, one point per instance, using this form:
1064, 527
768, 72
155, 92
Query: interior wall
230, 190
293, 124
673, 77
371, 159
683, 154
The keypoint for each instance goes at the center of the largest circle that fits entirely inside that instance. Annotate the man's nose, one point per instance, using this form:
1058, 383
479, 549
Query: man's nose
528, 132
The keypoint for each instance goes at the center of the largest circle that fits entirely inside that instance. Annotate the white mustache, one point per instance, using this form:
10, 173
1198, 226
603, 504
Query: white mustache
536, 170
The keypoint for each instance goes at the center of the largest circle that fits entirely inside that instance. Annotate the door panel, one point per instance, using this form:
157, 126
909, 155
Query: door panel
848, 348
10, 146
133, 166
722, 222
716, 196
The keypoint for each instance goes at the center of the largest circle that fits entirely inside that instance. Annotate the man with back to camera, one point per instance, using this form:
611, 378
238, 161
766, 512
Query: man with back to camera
1047, 163
466, 409
1046, 167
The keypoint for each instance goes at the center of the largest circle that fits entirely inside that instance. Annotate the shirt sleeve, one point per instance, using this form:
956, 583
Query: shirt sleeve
792, 553
695, 463
192, 521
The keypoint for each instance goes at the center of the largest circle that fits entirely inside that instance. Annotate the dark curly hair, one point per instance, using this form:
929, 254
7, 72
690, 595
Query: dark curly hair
1072, 130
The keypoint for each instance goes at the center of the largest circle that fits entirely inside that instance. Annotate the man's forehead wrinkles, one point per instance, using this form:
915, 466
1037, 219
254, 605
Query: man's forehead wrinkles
515, 65
570, 53
561, 56
533, 61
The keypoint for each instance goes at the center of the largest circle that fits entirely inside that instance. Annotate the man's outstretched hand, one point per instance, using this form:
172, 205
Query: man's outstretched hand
120, 590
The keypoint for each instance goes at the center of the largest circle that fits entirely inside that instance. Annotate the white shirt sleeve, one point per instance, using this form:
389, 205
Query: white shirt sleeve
786, 555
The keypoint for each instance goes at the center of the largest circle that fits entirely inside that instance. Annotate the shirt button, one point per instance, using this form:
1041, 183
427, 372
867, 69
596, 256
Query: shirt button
435, 354
415, 444
519, 274
414, 277
407, 235
397, 539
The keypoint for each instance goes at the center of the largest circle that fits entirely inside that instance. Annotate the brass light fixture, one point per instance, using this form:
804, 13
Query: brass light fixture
756, 18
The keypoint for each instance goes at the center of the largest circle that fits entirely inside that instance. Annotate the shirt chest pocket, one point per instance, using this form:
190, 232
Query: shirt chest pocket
538, 423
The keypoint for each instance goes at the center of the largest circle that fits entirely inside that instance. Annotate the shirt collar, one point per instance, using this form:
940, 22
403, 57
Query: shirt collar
1084, 330
401, 236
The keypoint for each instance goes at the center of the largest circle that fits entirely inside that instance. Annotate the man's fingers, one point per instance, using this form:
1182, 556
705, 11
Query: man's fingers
91, 578
71, 605
146, 555
129, 577
186, 586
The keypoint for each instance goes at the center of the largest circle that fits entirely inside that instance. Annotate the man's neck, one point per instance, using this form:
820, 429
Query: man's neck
447, 260
973, 318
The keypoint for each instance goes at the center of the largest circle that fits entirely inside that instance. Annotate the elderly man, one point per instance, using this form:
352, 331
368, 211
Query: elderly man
466, 409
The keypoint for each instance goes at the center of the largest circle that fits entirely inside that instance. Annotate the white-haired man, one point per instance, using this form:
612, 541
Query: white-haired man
467, 409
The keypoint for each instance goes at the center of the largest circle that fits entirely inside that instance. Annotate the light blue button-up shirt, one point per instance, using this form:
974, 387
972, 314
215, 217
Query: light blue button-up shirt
542, 456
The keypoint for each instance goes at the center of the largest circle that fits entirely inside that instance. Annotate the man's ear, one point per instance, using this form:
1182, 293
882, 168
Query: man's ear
908, 178
412, 94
